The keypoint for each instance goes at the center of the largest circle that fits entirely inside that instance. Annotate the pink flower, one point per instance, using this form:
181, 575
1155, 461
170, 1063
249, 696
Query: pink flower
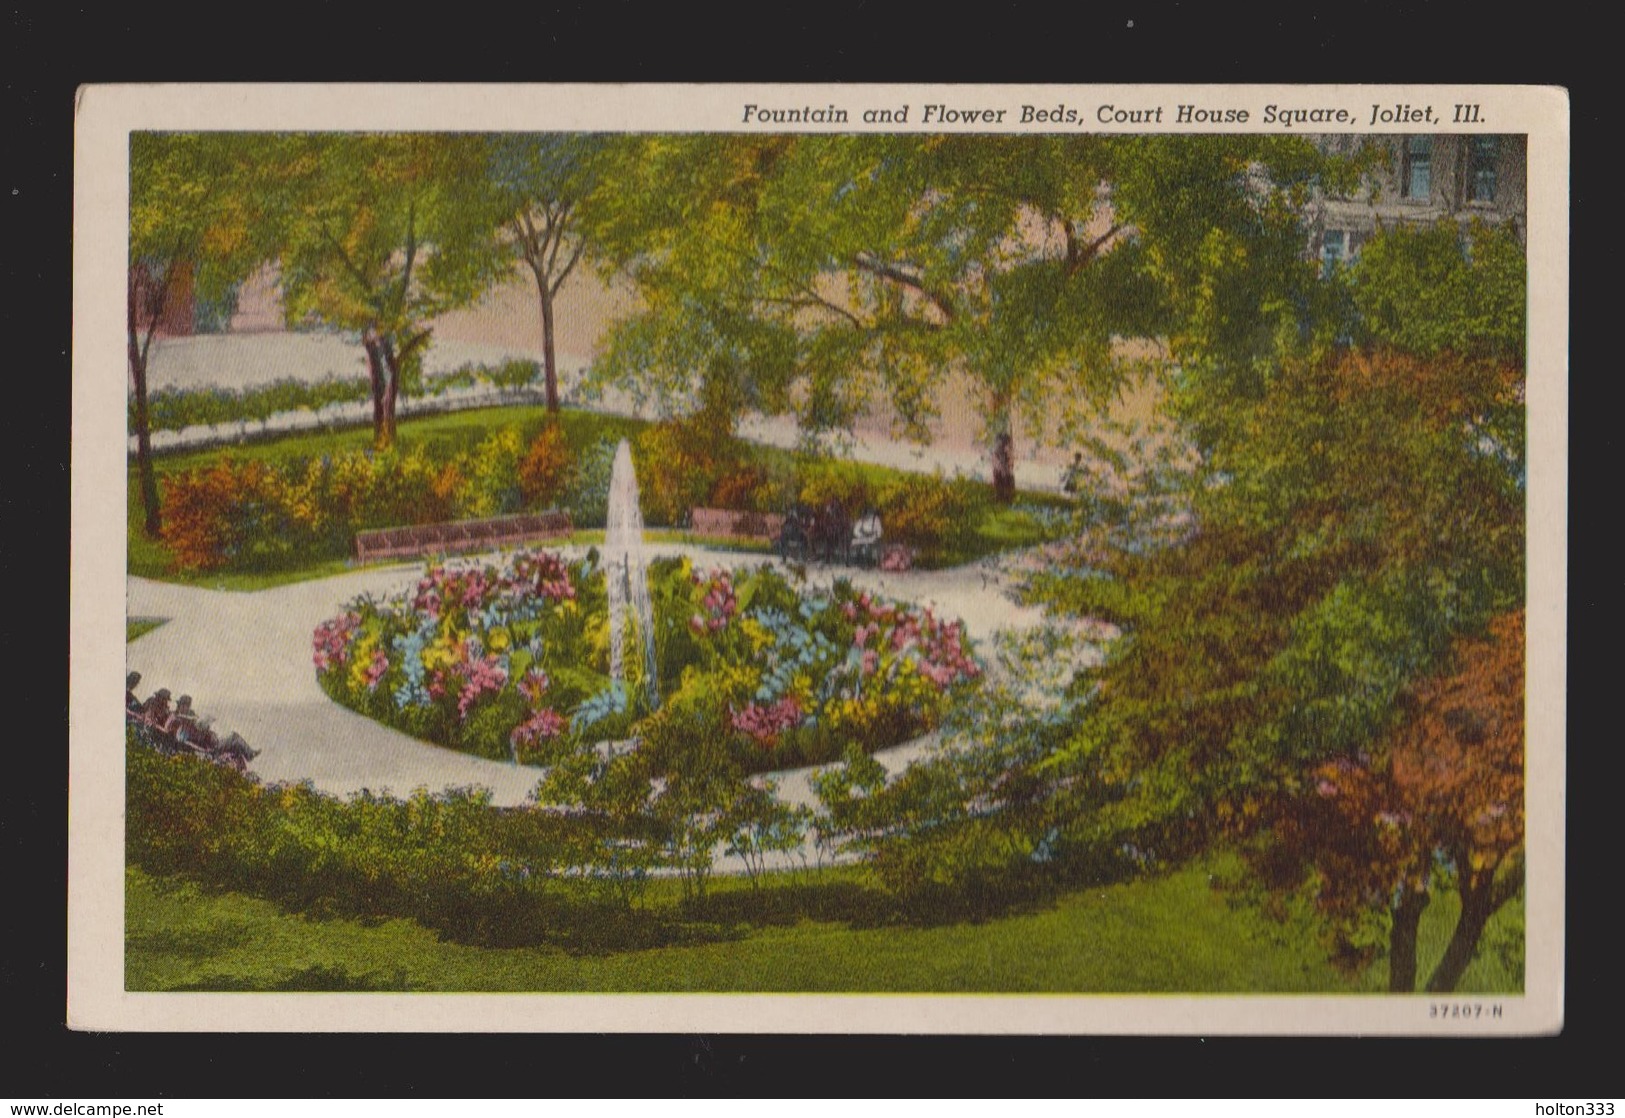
545, 724
484, 677
330, 644
717, 605
534, 685
375, 670
895, 559
766, 723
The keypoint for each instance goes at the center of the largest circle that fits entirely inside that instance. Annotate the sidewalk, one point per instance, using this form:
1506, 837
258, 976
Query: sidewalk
246, 660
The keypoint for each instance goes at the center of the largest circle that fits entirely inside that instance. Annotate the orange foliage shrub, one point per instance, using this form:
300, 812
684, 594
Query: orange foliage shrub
213, 515
677, 466
545, 471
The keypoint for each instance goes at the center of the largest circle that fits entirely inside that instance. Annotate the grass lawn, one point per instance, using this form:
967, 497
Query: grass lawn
1173, 934
140, 626
1001, 528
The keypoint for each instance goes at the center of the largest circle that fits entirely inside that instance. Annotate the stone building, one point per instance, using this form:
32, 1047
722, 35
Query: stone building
1422, 179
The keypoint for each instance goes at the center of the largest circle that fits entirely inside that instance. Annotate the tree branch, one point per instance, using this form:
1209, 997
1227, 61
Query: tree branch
360, 277
897, 275
569, 266
813, 299
1077, 255
1506, 887
412, 343
553, 238
411, 251
527, 240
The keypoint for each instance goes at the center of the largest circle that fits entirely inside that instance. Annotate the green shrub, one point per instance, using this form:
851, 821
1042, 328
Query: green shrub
172, 409
515, 373
493, 475
452, 861
587, 495
938, 518
844, 483
677, 469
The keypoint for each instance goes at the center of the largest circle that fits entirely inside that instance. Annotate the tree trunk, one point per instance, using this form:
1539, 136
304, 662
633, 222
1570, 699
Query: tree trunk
1476, 909
1002, 426
1402, 940
1004, 466
392, 392
152, 522
550, 371
376, 376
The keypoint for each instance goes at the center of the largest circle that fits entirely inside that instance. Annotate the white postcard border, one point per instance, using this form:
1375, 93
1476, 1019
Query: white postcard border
105, 117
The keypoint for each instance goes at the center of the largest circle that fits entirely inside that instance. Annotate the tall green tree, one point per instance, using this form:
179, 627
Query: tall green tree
380, 233
822, 273
540, 184
194, 219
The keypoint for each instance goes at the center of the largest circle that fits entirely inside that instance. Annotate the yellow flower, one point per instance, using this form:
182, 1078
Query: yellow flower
441, 654
361, 660
756, 633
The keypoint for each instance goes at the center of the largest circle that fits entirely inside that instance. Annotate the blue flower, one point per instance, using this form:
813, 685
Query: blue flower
411, 693
607, 703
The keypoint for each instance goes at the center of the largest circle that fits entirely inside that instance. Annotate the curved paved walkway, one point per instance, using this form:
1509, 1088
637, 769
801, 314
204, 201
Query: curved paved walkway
246, 658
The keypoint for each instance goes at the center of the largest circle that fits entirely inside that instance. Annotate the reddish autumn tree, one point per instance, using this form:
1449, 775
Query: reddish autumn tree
1441, 797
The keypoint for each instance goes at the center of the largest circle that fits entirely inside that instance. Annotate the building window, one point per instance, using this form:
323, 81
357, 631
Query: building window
1334, 250
1483, 155
1416, 176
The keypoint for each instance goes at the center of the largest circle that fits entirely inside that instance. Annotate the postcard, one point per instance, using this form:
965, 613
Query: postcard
806, 559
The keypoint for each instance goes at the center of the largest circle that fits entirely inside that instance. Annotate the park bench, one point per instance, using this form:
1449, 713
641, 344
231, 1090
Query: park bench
730, 524
461, 535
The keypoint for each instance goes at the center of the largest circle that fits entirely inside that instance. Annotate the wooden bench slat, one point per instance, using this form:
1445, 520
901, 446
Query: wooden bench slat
461, 535
734, 524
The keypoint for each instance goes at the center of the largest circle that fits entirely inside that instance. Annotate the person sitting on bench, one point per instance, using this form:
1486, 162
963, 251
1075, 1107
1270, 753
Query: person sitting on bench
155, 711
201, 736
866, 535
236, 746
182, 727
132, 705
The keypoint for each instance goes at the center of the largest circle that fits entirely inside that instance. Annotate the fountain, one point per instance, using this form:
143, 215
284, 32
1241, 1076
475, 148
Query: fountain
626, 574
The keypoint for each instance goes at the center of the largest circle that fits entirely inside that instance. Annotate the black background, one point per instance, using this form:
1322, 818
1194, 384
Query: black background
48, 52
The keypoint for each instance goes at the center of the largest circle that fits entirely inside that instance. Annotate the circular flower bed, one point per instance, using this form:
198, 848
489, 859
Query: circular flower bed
511, 661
